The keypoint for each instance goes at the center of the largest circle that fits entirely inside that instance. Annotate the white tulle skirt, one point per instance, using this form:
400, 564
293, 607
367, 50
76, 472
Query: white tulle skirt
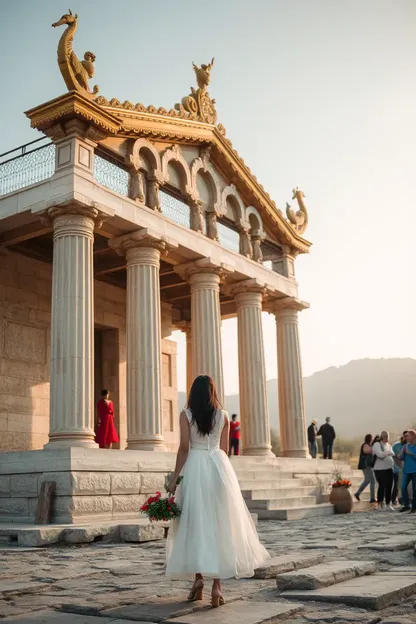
215, 534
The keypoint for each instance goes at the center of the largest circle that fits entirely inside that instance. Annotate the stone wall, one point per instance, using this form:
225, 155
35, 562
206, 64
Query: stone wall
86, 489
25, 308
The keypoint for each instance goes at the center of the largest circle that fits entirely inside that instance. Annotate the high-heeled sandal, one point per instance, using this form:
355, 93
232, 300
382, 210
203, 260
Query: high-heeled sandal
197, 591
217, 600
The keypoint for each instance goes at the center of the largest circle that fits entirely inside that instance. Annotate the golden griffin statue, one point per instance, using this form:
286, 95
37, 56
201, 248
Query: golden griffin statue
198, 104
76, 73
298, 219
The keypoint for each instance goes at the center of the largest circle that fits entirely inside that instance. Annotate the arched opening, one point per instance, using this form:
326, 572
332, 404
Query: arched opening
227, 229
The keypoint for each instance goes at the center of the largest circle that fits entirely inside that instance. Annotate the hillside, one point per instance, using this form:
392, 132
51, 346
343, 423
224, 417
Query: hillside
361, 397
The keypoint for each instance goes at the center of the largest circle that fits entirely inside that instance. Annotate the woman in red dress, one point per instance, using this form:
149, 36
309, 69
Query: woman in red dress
106, 431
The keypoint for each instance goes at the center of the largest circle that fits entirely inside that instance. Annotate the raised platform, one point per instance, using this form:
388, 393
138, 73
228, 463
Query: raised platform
96, 485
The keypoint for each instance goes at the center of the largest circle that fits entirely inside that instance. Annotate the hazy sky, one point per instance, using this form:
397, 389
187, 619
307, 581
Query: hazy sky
319, 94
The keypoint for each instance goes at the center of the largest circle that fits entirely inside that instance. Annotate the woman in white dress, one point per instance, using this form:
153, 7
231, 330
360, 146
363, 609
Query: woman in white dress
215, 536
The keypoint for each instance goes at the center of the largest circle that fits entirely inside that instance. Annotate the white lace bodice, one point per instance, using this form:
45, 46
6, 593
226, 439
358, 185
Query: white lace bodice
209, 442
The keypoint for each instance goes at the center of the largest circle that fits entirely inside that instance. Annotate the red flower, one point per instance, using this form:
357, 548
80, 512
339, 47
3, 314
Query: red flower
158, 495
172, 499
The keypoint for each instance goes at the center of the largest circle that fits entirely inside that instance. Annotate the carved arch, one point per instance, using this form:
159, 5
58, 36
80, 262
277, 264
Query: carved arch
135, 159
201, 163
174, 153
253, 212
241, 211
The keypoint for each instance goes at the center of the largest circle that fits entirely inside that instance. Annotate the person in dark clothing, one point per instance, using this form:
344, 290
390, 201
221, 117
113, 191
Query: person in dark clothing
312, 433
328, 436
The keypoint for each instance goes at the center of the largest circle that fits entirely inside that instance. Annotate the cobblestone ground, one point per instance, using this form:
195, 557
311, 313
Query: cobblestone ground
89, 579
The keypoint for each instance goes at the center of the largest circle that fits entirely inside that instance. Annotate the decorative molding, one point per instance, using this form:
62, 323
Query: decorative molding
73, 104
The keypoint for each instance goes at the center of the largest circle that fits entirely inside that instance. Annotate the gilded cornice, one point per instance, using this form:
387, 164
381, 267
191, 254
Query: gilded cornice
69, 106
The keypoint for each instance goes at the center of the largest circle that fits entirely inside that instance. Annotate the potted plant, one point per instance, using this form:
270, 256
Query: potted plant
340, 495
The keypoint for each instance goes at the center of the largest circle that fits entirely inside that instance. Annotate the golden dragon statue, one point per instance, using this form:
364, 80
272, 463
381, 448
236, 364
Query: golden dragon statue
76, 73
298, 219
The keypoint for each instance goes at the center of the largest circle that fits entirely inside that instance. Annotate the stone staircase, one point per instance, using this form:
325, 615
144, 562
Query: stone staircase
291, 489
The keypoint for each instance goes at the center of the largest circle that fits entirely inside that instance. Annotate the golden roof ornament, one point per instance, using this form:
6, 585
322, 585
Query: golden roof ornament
298, 219
76, 73
198, 104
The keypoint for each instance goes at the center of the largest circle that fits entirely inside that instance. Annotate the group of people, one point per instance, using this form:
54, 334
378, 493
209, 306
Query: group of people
327, 433
392, 467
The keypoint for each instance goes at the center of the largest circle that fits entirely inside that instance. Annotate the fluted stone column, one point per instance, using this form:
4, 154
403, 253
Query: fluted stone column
144, 355
144, 343
293, 435
254, 410
206, 325
189, 365
72, 329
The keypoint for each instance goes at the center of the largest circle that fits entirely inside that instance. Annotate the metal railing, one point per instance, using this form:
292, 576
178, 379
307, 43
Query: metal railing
23, 167
229, 238
109, 173
175, 209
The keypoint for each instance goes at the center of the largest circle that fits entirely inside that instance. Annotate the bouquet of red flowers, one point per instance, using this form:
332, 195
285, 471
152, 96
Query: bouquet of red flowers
341, 483
158, 508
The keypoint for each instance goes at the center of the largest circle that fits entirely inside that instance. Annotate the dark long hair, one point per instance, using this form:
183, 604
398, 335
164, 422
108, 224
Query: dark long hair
368, 438
203, 402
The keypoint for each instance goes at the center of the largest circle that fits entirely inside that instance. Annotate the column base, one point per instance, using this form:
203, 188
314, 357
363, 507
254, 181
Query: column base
258, 451
298, 453
68, 442
146, 445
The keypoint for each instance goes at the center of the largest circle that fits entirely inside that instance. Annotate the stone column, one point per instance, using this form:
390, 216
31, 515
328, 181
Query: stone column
206, 325
72, 329
144, 348
254, 410
293, 436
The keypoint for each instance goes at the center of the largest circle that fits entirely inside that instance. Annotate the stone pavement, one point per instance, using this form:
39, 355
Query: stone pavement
106, 583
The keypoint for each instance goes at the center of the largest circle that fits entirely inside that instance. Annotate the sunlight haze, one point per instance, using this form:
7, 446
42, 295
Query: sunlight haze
319, 94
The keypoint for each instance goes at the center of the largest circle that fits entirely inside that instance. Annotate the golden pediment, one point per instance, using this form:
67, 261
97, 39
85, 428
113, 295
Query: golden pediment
193, 122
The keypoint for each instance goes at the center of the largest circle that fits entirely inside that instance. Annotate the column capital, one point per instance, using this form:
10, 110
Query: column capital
183, 326
288, 306
145, 238
203, 266
73, 219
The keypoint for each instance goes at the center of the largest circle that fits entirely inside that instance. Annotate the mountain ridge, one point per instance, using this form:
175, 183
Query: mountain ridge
363, 396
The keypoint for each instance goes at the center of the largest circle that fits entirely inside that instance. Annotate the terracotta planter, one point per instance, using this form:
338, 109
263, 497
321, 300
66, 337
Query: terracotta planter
341, 499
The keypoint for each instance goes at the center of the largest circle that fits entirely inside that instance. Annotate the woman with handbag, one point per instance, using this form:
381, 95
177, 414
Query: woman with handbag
383, 469
366, 464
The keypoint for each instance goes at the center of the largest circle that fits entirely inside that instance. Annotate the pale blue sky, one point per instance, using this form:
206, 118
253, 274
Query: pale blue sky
319, 94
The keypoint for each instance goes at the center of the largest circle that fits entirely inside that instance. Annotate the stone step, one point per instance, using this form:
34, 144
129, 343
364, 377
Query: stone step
280, 493
287, 563
173, 610
263, 475
370, 592
324, 575
290, 484
296, 513
396, 543
284, 503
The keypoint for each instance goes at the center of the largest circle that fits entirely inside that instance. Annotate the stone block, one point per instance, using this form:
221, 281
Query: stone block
137, 533
370, 592
90, 483
18, 507
125, 482
86, 535
24, 485
152, 482
176, 611
63, 482
127, 504
4, 485
392, 544
33, 538
14, 588
324, 575
286, 563
66, 508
